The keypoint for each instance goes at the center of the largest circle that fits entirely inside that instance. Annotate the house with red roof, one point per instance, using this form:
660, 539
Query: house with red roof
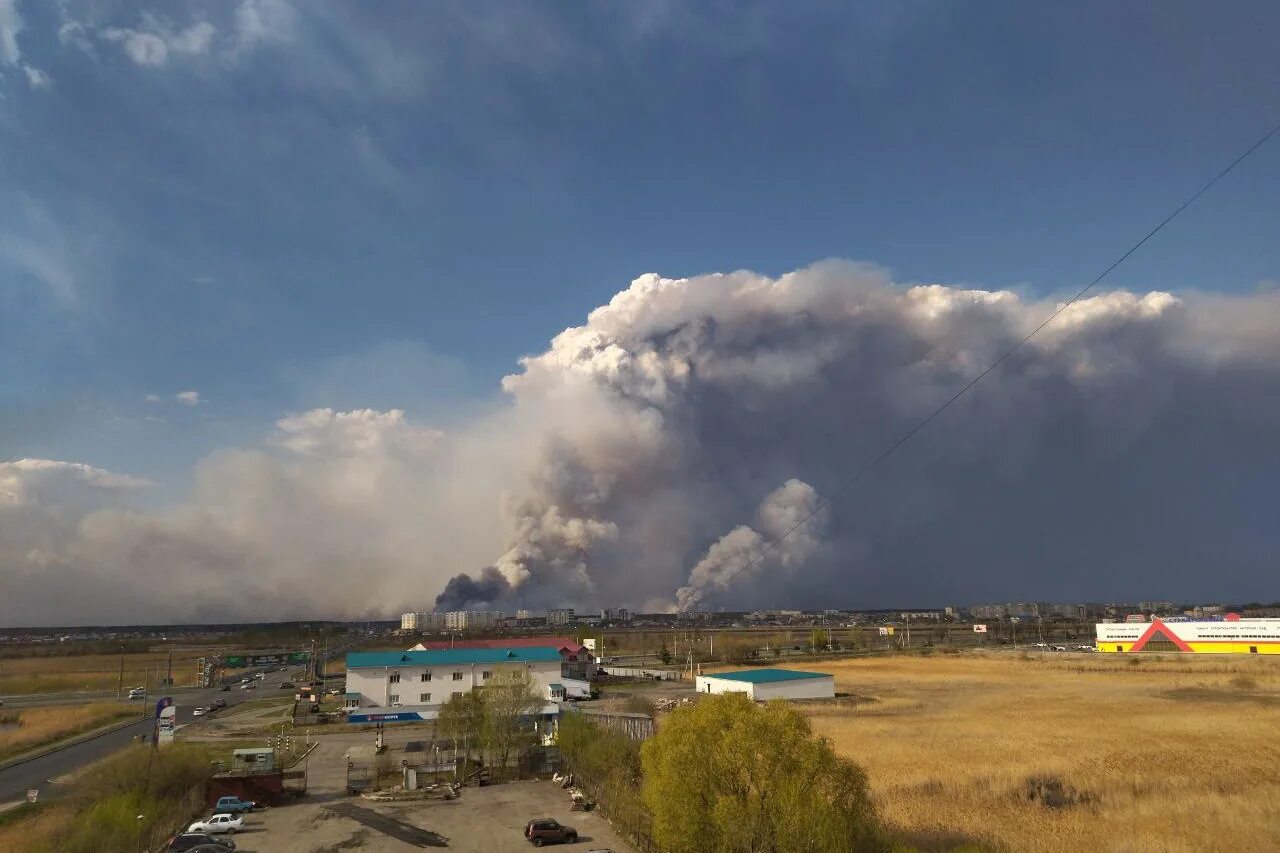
577, 662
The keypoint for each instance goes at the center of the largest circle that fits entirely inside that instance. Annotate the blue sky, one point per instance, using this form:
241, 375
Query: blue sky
286, 206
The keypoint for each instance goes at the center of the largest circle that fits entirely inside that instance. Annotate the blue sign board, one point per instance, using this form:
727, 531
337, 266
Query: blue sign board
388, 717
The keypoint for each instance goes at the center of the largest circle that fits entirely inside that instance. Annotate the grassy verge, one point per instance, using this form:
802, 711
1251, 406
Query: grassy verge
38, 727
100, 815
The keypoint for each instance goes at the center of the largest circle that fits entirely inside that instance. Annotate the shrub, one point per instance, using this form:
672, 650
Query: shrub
727, 775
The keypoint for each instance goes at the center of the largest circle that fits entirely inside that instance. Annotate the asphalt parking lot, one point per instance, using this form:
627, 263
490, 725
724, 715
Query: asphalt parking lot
481, 820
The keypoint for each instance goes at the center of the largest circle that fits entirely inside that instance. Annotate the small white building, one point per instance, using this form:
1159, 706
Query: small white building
765, 684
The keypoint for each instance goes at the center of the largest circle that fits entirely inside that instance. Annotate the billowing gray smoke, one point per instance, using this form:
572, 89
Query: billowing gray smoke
1128, 451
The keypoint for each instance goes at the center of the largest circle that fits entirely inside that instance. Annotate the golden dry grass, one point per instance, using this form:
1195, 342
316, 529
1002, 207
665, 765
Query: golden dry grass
38, 726
92, 672
1170, 754
22, 834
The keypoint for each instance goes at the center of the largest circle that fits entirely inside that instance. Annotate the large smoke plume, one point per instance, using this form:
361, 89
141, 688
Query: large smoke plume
648, 455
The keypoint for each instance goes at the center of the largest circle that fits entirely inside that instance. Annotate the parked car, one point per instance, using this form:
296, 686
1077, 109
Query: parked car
137, 693
549, 831
249, 686
218, 824
190, 841
218, 704
287, 685
226, 687
234, 805
198, 712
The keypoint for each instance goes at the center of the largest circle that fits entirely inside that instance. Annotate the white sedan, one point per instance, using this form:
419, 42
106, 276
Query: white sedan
229, 823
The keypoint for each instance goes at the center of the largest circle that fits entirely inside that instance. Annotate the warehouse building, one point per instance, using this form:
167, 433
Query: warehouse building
1229, 635
766, 684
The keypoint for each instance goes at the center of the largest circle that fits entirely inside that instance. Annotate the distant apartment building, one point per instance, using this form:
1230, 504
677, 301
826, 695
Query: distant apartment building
561, 616
419, 621
471, 620
1160, 607
524, 614
992, 612
620, 615
922, 615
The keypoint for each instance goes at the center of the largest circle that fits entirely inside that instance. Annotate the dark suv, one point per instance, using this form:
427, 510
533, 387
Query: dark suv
548, 831
199, 841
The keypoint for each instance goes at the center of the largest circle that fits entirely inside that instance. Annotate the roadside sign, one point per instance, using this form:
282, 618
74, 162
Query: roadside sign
589, 644
979, 629
166, 719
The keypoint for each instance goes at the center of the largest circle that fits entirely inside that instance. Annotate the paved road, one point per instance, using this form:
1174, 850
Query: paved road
15, 781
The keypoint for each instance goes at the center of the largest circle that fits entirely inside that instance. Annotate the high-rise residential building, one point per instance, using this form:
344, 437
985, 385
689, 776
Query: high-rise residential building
524, 614
561, 616
620, 614
470, 620
419, 621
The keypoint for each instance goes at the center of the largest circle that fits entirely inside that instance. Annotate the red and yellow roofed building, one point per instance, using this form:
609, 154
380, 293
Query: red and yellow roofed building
1230, 635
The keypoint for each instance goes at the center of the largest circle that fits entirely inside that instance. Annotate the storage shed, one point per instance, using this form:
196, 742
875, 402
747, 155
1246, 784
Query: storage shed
765, 684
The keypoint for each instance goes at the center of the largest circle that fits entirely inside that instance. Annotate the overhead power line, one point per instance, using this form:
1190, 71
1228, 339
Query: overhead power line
870, 465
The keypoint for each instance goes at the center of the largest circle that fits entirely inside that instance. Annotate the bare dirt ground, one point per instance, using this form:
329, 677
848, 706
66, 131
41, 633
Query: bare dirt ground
481, 820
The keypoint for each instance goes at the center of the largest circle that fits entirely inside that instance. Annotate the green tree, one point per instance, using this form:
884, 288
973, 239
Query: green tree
664, 654
461, 720
728, 776
508, 704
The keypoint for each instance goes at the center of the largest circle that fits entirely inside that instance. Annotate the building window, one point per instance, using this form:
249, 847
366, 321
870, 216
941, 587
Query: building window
457, 676
424, 697
393, 698
486, 675
457, 694
426, 676
394, 678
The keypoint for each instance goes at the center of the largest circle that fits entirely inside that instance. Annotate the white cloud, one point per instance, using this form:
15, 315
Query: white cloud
188, 398
259, 21
154, 40
10, 26
41, 250
49, 481
36, 78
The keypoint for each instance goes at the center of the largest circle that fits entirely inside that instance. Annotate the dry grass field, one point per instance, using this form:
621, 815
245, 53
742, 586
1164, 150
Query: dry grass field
25, 729
47, 674
1065, 752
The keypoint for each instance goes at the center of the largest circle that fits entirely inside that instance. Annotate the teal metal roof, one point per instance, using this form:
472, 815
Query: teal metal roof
556, 687
765, 676
446, 657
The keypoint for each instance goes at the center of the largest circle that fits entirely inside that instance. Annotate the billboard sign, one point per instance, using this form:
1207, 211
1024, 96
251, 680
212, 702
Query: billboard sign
166, 720
589, 644
251, 661
886, 631
979, 629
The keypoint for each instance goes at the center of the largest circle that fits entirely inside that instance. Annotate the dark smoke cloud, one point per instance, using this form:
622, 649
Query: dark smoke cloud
463, 592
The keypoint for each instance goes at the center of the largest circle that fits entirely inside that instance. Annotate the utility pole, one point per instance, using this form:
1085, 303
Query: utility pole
169, 674
120, 682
